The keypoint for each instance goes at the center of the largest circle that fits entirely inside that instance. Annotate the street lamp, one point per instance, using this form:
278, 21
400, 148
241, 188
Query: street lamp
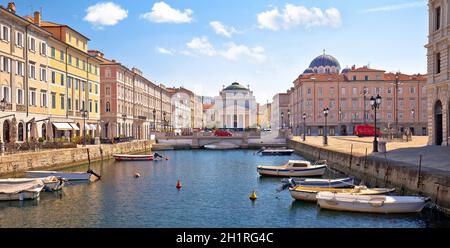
325, 137
365, 92
340, 117
164, 114
154, 119
413, 113
375, 102
3, 103
282, 120
304, 126
289, 118
84, 114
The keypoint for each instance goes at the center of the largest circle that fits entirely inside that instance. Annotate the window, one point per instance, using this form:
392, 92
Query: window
355, 91
366, 78
61, 55
108, 91
96, 70
62, 79
32, 44
90, 87
77, 103
389, 116
389, 90
77, 62
437, 13
69, 103
354, 78
90, 68
5, 64
343, 91
69, 82
19, 68
332, 91
53, 100
400, 104
343, 103
354, 103
20, 132
96, 106
19, 39
53, 77
84, 65
412, 90
90, 106
62, 101
76, 84
43, 49
32, 100
320, 91
108, 107
43, 76
43, 99
6, 94
32, 72
438, 63
70, 59
82, 85
309, 91
19, 96
400, 90
96, 88
5, 33
53, 53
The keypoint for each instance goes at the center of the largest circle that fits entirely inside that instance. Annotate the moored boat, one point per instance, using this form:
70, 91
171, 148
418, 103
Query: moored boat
293, 168
69, 176
371, 204
304, 193
321, 183
282, 152
14, 190
51, 183
127, 157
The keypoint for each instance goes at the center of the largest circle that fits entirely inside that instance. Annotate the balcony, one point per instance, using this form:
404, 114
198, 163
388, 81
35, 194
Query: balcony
21, 108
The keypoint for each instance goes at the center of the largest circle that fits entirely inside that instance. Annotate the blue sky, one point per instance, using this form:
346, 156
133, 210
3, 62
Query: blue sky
203, 45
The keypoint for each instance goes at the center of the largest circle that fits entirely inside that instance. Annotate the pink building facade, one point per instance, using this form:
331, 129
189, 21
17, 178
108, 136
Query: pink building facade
347, 96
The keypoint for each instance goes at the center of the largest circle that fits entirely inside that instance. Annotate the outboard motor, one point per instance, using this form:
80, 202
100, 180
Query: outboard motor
90, 171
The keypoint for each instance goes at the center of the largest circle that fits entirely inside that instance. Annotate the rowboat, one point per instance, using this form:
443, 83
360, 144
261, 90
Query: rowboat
126, 157
286, 152
371, 204
50, 183
309, 193
69, 176
321, 183
293, 168
14, 190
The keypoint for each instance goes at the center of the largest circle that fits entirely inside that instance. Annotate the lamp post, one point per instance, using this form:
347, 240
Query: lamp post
339, 121
325, 137
289, 119
164, 114
304, 126
282, 120
365, 91
84, 114
3, 103
413, 113
154, 119
375, 102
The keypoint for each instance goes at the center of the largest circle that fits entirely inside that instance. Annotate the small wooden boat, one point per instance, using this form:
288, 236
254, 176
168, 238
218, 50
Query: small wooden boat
126, 157
69, 176
309, 193
371, 204
50, 183
282, 152
16, 190
293, 168
321, 183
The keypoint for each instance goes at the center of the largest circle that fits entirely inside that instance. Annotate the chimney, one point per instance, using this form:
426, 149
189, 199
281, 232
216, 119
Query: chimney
12, 7
37, 18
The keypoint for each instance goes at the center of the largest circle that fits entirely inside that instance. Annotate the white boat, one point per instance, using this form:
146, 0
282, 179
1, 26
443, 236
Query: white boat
127, 157
304, 193
16, 190
293, 168
321, 183
69, 176
221, 146
277, 152
371, 204
50, 183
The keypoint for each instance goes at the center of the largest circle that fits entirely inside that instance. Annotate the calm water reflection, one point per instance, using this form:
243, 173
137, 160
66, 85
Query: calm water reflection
216, 186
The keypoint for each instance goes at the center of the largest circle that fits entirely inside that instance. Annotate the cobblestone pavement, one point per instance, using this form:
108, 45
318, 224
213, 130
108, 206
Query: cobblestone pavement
436, 157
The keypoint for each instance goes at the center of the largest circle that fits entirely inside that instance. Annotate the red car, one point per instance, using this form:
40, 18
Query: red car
222, 133
366, 131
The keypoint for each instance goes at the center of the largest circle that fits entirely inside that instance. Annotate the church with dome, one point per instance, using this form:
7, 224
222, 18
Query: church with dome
324, 64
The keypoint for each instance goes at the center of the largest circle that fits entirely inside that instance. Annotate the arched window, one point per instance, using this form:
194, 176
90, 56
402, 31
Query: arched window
247, 104
20, 132
108, 107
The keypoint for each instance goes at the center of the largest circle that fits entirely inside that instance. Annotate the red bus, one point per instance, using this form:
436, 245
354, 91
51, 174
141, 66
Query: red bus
366, 131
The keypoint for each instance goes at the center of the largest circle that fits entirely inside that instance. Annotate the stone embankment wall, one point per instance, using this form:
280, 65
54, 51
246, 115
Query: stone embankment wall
381, 172
63, 158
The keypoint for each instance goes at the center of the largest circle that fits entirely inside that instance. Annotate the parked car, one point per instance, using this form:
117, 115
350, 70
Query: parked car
366, 131
223, 133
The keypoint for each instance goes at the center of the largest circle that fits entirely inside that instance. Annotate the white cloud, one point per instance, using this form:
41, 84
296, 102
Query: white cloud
297, 15
105, 14
396, 7
163, 50
202, 46
162, 12
222, 29
232, 52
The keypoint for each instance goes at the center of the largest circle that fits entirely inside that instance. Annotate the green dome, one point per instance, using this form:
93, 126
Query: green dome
236, 86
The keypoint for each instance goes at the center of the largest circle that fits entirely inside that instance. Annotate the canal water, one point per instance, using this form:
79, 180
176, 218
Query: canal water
216, 187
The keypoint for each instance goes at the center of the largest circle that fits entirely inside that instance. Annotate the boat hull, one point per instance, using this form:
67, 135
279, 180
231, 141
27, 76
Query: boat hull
22, 196
133, 157
323, 183
374, 205
300, 172
277, 153
76, 176
310, 193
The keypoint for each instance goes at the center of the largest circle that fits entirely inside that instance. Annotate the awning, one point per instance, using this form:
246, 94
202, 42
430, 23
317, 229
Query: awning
87, 127
93, 127
62, 126
74, 126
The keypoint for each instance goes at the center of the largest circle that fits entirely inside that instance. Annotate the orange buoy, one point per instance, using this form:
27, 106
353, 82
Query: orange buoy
253, 196
178, 185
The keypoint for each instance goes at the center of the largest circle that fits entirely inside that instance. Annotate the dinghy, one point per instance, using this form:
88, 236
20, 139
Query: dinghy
321, 183
293, 168
126, 157
69, 176
371, 204
17, 190
281, 152
309, 193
